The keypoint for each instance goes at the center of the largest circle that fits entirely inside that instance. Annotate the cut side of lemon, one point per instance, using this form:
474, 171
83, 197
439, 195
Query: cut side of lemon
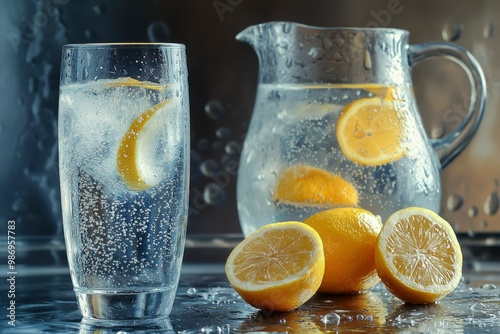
417, 256
304, 185
131, 82
370, 130
278, 267
128, 167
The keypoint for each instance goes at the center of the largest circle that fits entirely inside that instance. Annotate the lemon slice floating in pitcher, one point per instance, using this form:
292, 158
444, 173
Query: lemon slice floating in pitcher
370, 130
127, 161
311, 186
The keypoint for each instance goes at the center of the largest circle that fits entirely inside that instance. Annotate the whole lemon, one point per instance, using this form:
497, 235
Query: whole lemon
349, 238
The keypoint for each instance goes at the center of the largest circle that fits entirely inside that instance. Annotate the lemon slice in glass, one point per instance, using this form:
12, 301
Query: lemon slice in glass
141, 133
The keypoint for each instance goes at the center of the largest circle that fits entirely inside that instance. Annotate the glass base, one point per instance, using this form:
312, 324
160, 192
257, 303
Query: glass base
129, 308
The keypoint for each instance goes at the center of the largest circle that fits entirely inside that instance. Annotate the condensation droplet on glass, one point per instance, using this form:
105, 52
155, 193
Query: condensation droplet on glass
211, 330
327, 44
287, 27
491, 204
488, 30
451, 32
223, 132
438, 132
192, 292
123, 72
213, 194
158, 31
313, 52
368, 60
454, 202
331, 318
214, 109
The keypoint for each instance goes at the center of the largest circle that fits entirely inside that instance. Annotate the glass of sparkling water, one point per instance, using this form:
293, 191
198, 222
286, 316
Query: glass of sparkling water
124, 172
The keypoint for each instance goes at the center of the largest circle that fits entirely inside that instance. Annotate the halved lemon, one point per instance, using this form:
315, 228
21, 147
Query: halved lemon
311, 186
417, 256
370, 131
127, 162
278, 267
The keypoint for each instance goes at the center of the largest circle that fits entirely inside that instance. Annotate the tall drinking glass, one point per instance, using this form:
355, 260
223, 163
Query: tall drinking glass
124, 170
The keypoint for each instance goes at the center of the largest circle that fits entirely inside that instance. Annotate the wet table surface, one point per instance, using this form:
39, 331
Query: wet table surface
206, 303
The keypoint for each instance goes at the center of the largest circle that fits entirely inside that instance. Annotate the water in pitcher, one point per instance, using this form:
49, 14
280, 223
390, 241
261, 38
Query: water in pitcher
122, 188
314, 147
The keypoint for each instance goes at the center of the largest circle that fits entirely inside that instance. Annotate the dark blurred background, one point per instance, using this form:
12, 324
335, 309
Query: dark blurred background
223, 78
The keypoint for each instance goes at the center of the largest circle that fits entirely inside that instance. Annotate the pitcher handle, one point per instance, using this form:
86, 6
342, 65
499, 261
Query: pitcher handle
448, 147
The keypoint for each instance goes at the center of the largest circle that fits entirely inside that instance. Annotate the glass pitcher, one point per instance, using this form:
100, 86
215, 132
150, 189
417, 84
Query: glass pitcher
335, 124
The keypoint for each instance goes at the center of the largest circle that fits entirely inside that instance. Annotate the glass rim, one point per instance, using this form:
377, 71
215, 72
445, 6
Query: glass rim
325, 28
125, 45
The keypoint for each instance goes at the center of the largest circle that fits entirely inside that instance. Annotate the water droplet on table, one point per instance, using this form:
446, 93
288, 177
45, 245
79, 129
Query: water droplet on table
331, 318
192, 292
489, 286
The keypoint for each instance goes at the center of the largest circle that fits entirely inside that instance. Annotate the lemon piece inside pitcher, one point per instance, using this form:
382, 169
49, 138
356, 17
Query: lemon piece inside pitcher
311, 186
370, 131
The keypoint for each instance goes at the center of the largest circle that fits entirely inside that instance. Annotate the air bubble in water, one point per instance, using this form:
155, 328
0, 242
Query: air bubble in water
331, 318
214, 109
158, 32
